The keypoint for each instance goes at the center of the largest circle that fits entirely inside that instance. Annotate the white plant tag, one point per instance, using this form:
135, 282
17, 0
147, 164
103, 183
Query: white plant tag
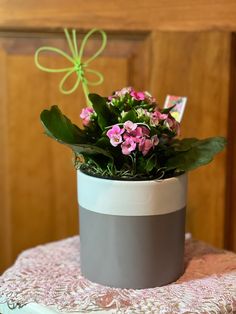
179, 102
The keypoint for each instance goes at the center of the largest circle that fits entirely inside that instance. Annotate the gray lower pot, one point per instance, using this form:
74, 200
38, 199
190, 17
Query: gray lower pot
132, 232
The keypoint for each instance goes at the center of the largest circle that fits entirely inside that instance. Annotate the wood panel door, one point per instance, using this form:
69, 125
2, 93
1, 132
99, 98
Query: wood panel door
37, 179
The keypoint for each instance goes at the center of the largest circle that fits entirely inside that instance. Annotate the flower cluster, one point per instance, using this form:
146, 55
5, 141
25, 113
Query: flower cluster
131, 137
144, 110
127, 136
133, 126
140, 124
138, 96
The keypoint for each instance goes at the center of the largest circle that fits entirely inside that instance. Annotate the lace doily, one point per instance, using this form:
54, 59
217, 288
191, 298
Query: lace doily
50, 275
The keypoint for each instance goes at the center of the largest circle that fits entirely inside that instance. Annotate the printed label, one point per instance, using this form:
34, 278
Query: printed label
179, 102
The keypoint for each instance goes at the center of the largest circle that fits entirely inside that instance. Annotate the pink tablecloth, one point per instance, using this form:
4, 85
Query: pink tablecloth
50, 275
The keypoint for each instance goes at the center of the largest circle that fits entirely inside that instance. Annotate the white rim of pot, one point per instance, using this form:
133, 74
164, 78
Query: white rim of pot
132, 198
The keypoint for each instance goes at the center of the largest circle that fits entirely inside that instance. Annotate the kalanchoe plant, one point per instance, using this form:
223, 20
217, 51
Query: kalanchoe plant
127, 136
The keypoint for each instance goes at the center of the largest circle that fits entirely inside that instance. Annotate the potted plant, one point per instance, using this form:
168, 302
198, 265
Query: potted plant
132, 185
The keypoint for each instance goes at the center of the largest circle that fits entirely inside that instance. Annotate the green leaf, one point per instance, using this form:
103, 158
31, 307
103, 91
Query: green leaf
88, 149
151, 163
200, 153
167, 110
60, 128
184, 145
141, 165
130, 115
103, 142
101, 109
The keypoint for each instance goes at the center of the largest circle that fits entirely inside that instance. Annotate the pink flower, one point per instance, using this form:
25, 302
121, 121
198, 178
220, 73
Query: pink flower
86, 115
125, 90
173, 125
156, 116
145, 145
137, 134
130, 126
122, 92
145, 131
114, 135
128, 146
155, 140
138, 95
134, 138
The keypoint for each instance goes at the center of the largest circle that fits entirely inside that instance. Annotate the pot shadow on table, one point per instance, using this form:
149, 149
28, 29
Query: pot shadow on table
202, 260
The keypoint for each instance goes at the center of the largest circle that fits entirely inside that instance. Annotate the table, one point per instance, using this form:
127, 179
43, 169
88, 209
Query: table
47, 280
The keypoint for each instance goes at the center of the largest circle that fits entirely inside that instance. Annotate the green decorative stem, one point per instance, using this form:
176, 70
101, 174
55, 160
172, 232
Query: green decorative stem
79, 66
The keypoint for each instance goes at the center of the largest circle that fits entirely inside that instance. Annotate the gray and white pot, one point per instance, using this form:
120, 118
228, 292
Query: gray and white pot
132, 232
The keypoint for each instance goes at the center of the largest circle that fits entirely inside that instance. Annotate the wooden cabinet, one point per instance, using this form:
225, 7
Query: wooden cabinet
152, 52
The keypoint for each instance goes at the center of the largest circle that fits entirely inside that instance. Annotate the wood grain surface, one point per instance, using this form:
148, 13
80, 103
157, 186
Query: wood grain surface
38, 181
5, 221
230, 209
197, 65
186, 15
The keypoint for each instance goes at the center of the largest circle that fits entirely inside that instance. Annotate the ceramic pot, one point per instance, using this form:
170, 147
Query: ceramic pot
132, 232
